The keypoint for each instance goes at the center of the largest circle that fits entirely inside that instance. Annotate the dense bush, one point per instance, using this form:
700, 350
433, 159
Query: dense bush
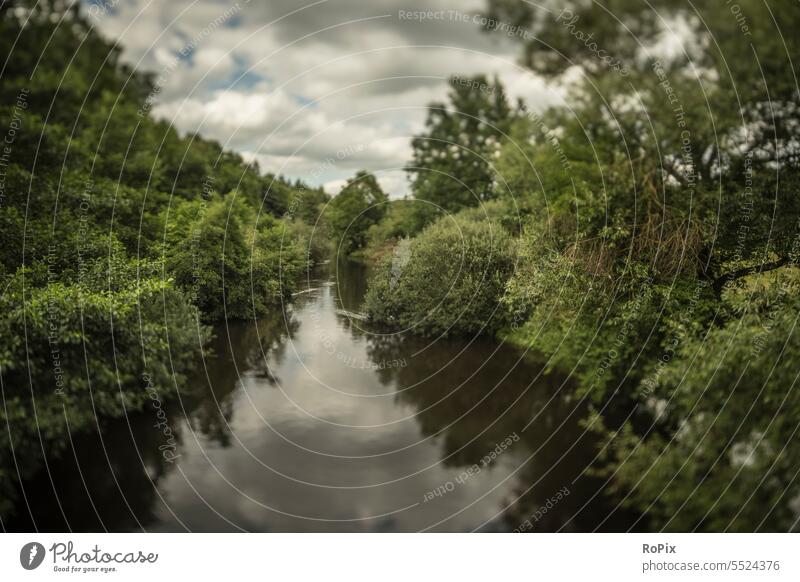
232, 265
75, 354
113, 228
723, 452
447, 280
609, 331
401, 220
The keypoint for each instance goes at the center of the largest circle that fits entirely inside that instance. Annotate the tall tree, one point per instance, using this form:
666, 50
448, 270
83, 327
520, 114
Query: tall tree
718, 147
360, 204
452, 163
646, 270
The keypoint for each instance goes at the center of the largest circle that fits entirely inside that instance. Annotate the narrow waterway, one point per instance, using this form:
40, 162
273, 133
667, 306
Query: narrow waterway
309, 421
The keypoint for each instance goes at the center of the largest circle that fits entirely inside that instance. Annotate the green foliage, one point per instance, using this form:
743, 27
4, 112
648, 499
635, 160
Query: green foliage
723, 454
609, 332
231, 264
649, 206
445, 281
360, 205
113, 230
401, 220
705, 173
452, 163
76, 353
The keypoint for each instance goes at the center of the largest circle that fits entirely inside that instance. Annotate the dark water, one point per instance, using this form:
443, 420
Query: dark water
308, 422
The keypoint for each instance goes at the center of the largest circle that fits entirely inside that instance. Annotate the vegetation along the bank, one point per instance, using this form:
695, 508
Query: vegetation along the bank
643, 237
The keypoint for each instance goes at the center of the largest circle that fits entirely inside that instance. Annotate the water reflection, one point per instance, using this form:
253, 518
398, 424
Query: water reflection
308, 421
237, 349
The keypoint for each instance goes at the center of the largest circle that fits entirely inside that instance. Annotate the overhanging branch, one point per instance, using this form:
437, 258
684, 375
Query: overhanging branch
720, 282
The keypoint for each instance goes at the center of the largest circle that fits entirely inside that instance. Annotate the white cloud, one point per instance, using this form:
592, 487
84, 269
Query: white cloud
292, 94
334, 187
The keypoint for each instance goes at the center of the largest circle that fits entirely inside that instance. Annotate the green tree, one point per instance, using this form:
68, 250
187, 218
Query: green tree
100, 273
75, 353
359, 205
719, 120
452, 160
659, 257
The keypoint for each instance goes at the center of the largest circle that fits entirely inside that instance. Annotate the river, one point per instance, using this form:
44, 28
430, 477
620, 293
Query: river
310, 421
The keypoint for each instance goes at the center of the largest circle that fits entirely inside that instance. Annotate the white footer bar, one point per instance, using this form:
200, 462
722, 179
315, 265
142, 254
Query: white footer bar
400, 557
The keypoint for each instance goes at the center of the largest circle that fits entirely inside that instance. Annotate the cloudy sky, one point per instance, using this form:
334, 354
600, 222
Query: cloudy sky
311, 89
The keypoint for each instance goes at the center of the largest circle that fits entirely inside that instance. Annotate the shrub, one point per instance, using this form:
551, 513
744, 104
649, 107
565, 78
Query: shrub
230, 267
723, 452
77, 354
445, 281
